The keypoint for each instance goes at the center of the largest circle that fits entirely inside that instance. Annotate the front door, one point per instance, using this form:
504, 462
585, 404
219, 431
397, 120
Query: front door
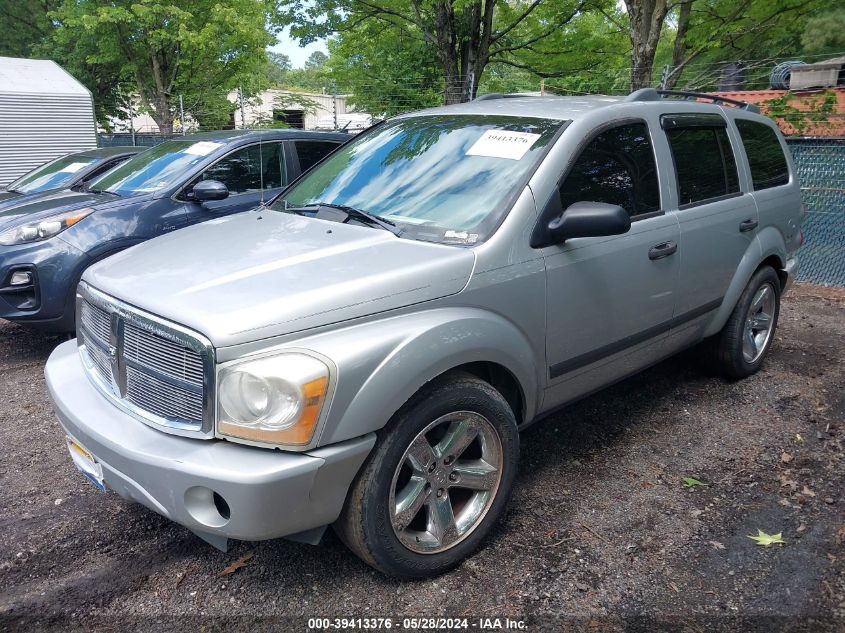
252, 174
610, 299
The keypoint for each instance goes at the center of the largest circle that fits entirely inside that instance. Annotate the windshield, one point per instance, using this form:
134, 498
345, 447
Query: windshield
54, 175
438, 178
155, 168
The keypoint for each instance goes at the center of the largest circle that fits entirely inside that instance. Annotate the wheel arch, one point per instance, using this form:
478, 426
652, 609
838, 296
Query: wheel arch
767, 248
416, 349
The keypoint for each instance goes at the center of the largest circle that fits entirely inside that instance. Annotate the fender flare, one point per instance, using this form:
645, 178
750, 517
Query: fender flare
403, 353
767, 243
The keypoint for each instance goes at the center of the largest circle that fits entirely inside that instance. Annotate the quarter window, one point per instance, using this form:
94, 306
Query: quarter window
704, 163
617, 167
765, 156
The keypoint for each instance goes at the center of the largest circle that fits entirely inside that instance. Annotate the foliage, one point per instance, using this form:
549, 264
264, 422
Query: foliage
25, 25
816, 109
825, 33
767, 539
200, 49
277, 69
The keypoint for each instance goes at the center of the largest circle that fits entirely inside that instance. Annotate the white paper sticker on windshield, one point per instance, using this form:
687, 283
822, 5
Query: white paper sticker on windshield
72, 168
503, 144
202, 148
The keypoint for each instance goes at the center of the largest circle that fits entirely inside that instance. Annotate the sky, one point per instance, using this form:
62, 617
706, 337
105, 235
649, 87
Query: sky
292, 49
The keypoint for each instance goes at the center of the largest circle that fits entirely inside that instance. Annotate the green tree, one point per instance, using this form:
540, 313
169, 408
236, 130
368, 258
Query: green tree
465, 35
26, 23
199, 49
277, 69
825, 33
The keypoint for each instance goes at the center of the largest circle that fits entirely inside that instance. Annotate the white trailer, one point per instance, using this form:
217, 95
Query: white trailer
44, 113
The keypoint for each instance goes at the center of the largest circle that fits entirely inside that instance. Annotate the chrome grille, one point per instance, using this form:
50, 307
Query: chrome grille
97, 321
162, 398
157, 370
163, 355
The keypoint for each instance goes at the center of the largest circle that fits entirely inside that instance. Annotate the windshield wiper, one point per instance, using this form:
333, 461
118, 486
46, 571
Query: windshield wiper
351, 212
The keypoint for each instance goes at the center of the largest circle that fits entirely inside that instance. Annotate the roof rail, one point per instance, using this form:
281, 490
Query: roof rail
500, 95
652, 94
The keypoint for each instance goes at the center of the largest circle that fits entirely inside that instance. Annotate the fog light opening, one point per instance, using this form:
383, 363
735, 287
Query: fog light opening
207, 507
222, 506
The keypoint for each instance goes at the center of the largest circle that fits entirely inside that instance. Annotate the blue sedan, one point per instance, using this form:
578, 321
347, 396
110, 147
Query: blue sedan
46, 245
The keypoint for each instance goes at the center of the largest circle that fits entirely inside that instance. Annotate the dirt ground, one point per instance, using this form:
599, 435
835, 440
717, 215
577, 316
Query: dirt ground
601, 533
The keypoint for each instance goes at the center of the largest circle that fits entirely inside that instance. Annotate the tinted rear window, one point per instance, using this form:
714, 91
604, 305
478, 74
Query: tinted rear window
704, 162
765, 155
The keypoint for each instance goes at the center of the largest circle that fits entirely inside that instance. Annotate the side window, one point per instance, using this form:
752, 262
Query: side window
765, 156
312, 152
704, 163
245, 170
239, 171
617, 167
273, 163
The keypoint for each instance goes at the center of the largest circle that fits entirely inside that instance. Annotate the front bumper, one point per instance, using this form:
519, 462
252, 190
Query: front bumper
55, 266
268, 493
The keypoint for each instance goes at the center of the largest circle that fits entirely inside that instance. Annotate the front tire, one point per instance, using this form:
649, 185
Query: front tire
743, 344
439, 478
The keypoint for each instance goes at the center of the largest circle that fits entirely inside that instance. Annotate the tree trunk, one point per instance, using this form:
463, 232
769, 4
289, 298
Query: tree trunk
679, 50
162, 113
463, 44
646, 21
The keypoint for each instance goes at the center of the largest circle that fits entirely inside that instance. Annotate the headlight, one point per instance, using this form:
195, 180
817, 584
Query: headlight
276, 399
43, 229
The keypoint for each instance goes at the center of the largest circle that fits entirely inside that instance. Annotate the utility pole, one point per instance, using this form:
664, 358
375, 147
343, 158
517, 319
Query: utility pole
132, 122
334, 104
243, 115
664, 77
182, 114
542, 87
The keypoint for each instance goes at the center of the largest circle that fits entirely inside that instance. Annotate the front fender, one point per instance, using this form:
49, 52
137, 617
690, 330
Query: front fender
767, 243
381, 364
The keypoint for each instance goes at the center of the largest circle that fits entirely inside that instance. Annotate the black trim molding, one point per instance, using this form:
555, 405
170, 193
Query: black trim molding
559, 369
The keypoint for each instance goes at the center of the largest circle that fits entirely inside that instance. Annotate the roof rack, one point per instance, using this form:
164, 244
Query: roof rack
652, 94
500, 95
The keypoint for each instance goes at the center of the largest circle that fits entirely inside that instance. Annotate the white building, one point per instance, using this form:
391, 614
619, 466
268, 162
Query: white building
44, 113
304, 110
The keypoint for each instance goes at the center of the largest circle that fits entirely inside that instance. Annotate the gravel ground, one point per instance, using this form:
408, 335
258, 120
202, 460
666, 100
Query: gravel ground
601, 533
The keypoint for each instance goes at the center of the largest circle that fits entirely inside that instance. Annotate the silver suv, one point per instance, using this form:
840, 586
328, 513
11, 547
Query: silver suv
364, 351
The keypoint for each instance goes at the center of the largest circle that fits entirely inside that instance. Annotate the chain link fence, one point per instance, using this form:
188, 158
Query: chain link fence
820, 163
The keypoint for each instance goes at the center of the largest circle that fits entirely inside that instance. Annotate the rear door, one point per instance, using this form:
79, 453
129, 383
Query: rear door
715, 211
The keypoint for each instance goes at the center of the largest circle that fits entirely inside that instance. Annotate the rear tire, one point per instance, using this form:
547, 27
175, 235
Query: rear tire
742, 345
436, 482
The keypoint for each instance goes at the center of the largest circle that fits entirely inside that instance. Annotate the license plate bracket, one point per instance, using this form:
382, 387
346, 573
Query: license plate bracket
86, 463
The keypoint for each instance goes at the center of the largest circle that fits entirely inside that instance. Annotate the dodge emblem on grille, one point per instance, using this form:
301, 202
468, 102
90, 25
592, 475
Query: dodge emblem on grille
112, 351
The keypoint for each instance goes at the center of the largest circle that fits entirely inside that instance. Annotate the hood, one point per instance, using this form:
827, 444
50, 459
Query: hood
34, 206
264, 273
5, 196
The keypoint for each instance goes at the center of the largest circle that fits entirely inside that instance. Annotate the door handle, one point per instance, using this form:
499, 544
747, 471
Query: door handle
659, 251
748, 225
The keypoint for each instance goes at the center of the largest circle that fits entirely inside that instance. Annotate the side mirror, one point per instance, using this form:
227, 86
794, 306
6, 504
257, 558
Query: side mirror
206, 190
589, 219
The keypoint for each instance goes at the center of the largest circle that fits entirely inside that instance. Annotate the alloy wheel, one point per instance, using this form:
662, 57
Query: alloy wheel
445, 482
759, 323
